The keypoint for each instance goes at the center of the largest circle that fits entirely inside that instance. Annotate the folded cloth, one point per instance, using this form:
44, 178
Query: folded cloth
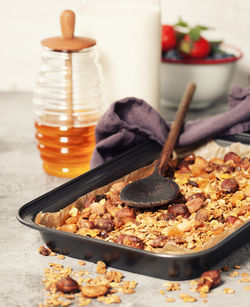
131, 121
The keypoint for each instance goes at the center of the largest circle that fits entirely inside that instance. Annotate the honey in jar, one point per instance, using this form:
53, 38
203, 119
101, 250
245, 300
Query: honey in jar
65, 152
67, 101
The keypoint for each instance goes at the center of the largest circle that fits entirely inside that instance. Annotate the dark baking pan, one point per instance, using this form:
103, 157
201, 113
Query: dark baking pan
172, 267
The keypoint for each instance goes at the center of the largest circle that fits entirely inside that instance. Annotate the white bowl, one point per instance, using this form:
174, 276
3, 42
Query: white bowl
212, 77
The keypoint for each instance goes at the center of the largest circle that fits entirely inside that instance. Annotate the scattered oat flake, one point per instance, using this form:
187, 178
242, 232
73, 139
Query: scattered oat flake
109, 299
170, 300
172, 286
81, 273
61, 257
244, 279
129, 284
81, 262
203, 294
228, 291
234, 273
128, 291
193, 282
101, 267
244, 274
84, 301
187, 298
162, 292
237, 266
67, 296
204, 301
114, 276
247, 288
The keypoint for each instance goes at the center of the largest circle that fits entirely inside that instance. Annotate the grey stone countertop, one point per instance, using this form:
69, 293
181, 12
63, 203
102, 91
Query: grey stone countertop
22, 267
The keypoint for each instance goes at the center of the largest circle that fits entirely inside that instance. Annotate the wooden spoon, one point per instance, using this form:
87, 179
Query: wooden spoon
157, 190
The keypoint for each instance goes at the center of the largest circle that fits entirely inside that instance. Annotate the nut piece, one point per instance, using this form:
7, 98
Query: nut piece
105, 224
44, 251
126, 213
208, 280
114, 193
159, 241
130, 240
86, 224
179, 209
202, 215
232, 156
123, 216
67, 285
195, 202
88, 201
245, 163
190, 158
111, 209
97, 208
232, 219
94, 290
229, 185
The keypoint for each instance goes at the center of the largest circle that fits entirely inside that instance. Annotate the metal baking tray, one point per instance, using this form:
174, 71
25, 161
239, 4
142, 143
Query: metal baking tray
171, 267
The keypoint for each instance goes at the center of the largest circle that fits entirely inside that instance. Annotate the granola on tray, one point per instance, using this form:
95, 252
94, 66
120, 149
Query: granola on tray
214, 199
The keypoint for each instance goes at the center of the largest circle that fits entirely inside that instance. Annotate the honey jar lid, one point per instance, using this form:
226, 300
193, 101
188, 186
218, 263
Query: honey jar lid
68, 42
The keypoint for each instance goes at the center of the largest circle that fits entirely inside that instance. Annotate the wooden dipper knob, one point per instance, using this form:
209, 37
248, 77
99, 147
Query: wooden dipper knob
68, 42
67, 20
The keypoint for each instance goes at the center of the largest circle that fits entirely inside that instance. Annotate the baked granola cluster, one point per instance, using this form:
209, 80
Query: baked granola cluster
214, 197
66, 286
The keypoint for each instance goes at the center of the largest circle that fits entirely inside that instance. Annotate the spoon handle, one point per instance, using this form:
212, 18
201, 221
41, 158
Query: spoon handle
175, 128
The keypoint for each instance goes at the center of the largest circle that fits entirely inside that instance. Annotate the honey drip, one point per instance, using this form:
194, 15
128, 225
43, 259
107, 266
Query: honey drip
66, 152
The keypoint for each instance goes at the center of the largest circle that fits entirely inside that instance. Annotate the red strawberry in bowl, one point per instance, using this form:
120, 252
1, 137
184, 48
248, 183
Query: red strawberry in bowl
197, 49
168, 38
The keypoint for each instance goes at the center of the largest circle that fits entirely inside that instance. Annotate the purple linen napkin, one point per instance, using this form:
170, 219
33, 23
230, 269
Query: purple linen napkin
131, 121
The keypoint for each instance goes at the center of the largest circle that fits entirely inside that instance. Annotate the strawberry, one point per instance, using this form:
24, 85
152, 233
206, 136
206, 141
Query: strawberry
168, 37
197, 49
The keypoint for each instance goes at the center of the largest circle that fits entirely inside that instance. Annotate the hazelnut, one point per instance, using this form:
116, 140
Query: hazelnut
159, 241
229, 185
44, 251
178, 209
195, 204
209, 279
232, 156
67, 285
130, 240
232, 219
105, 224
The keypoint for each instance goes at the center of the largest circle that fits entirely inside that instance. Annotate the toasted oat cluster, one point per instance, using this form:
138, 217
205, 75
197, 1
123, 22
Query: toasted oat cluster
64, 285
214, 197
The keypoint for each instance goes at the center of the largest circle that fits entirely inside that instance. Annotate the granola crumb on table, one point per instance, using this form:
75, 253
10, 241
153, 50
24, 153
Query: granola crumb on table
63, 288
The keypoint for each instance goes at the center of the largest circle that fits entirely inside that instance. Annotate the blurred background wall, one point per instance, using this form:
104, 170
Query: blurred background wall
23, 23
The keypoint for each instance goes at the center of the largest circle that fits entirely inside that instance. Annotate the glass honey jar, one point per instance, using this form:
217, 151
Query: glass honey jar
67, 101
